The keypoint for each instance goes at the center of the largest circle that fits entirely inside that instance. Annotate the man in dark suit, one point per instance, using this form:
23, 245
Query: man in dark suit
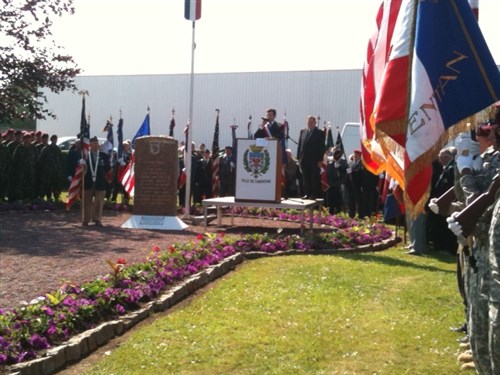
310, 155
269, 128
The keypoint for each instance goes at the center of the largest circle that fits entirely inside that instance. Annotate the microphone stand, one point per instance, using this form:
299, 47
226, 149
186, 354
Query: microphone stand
290, 138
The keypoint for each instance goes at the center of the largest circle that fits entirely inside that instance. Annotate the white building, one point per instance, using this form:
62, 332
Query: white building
331, 95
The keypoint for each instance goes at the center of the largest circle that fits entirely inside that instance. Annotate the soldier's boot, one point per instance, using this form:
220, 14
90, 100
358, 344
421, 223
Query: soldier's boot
464, 346
468, 366
465, 357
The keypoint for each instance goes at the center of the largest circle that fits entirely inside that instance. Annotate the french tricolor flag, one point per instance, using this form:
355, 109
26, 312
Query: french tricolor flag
440, 74
192, 10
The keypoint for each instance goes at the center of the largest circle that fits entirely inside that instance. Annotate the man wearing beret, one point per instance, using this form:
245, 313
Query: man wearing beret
96, 167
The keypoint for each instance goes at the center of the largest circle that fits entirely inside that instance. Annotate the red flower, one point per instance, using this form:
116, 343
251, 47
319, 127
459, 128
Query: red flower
171, 248
221, 234
199, 237
156, 249
121, 261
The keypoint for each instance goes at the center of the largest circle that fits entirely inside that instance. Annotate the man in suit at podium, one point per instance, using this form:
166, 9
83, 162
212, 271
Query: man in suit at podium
269, 128
310, 155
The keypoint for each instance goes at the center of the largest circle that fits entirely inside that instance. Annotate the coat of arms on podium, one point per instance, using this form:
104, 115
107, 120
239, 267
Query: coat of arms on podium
256, 160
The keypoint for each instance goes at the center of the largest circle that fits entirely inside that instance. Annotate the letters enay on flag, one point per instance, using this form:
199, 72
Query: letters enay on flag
438, 77
192, 10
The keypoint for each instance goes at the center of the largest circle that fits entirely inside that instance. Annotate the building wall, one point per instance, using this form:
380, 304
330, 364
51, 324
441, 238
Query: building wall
332, 95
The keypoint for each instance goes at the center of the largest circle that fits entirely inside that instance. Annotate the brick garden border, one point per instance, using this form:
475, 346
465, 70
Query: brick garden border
85, 343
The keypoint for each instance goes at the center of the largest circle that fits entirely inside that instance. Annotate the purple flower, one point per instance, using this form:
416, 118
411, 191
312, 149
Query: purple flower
3, 343
120, 309
48, 310
38, 342
52, 330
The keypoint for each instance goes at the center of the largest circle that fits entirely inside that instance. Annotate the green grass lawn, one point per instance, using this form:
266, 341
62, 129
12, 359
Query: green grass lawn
374, 313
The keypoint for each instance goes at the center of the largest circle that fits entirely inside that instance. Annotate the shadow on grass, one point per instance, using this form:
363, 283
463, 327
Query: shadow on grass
391, 261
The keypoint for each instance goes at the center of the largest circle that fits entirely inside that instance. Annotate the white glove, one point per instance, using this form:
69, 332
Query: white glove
122, 163
477, 163
463, 144
433, 206
337, 164
70, 178
349, 170
456, 228
453, 225
82, 162
232, 165
464, 162
474, 148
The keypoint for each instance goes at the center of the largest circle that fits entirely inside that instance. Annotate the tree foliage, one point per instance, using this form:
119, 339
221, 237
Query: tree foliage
30, 60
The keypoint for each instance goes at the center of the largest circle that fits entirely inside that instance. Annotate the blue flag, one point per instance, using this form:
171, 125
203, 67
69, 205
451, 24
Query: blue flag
453, 79
143, 130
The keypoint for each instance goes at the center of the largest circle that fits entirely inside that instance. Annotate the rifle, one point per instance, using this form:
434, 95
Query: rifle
444, 201
469, 216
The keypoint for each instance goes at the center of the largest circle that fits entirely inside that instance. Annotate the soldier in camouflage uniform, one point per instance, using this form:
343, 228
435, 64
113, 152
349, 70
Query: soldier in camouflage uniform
480, 276
50, 170
494, 264
22, 172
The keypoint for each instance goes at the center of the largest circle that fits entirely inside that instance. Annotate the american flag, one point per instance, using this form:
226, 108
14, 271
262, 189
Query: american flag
128, 177
77, 181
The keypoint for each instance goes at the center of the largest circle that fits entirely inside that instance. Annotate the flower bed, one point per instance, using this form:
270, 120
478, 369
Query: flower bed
28, 331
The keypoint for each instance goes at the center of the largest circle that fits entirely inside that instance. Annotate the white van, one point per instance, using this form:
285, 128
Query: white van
351, 137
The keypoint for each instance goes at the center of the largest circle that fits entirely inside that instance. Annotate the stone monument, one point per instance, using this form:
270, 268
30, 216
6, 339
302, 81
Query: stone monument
156, 174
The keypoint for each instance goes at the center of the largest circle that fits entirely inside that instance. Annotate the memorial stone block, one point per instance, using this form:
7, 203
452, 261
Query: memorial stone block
156, 175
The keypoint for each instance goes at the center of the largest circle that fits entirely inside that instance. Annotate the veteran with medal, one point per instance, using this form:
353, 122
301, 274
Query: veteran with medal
97, 171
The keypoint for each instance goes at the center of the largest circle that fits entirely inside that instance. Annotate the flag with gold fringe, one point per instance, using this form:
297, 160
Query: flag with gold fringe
438, 77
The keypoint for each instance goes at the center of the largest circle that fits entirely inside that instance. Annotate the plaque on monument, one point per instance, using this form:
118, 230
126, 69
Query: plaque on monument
258, 170
156, 174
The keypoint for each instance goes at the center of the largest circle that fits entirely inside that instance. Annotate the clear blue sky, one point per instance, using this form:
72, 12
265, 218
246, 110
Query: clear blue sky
152, 37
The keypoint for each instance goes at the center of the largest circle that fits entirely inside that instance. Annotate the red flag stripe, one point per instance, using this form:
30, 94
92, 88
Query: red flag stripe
75, 186
215, 177
128, 177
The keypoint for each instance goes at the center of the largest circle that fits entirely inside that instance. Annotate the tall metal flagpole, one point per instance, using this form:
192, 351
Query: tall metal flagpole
188, 148
192, 12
